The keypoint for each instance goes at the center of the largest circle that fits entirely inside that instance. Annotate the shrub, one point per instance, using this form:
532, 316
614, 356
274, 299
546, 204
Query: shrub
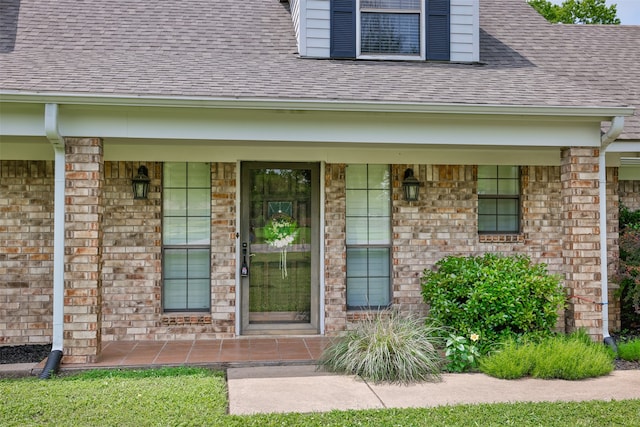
389, 347
629, 350
495, 296
571, 357
628, 219
629, 276
461, 354
512, 361
629, 271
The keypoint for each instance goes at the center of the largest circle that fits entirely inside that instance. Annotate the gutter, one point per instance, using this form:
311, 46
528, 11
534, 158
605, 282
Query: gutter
58, 144
617, 124
311, 104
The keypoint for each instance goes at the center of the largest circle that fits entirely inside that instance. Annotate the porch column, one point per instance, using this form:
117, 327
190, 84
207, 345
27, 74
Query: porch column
83, 250
581, 239
335, 274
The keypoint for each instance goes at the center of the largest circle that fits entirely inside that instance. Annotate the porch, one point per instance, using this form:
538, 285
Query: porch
250, 351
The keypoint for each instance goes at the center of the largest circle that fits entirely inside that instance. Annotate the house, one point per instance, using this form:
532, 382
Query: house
276, 138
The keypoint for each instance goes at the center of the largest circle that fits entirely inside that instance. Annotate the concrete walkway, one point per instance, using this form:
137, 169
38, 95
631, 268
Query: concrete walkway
303, 389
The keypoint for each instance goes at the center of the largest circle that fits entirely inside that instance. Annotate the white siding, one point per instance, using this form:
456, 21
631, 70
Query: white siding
295, 17
465, 30
317, 37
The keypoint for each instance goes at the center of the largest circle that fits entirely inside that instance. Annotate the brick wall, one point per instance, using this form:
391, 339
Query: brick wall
630, 194
113, 255
335, 249
581, 246
132, 278
443, 222
613, 233
26, 251
131, 271
84, 207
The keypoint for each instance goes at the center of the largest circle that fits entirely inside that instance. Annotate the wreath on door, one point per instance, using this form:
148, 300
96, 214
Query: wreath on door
280, 232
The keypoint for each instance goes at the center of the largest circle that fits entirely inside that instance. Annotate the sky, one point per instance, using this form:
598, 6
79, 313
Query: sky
628, 10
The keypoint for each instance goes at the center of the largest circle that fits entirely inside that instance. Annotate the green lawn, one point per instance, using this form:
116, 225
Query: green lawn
197, 397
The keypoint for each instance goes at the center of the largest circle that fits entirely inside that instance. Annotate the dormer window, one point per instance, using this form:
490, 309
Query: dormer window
390, 29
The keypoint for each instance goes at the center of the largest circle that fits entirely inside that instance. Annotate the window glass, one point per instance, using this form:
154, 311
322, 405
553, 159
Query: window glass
174, 230
390, 4
199, 175
379, 203
487, 186
174, 202
175, 264
378, 177
198, 263
199, 202
508, 172
507, 223
198, 294
487, 223
379, 231
379, 292
198, 231
357, 231
356, 177
175, 175
487, 207
508, 186
390, 33
487, 172
357, 262
378, 262
175, 294
357, 291
507, 207
357, 202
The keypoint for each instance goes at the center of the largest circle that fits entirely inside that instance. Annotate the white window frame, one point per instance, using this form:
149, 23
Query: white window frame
423, 49
206, 246
368, 246
505, 196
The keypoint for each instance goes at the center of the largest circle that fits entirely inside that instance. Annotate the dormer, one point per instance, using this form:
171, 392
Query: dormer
419, 30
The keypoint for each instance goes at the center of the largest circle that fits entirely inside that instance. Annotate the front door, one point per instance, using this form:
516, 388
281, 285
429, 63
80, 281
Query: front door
279, 254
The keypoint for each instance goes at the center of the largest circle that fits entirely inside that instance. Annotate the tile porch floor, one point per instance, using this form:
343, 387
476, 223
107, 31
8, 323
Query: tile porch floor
245, 351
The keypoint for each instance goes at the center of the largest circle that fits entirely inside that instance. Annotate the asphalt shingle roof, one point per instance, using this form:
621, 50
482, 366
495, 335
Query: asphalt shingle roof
246, 50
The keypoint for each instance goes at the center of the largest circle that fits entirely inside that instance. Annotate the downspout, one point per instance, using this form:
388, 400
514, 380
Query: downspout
57, 141
617, 124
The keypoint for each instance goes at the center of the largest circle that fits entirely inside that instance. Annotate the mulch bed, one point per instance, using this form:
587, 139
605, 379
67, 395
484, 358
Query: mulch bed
24, 353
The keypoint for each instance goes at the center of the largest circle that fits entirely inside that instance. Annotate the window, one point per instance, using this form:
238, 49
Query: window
368, 236
498, 199
186, 237
390, 29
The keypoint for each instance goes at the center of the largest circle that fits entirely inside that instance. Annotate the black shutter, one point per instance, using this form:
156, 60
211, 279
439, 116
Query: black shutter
343, 29
438, 29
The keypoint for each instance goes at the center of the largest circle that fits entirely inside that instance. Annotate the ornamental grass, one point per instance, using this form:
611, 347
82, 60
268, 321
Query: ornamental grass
388, 348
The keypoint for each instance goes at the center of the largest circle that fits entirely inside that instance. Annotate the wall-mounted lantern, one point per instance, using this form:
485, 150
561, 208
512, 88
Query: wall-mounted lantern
140, 183
410, 186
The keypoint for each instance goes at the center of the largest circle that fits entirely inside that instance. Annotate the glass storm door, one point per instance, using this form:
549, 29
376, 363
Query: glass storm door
279, 251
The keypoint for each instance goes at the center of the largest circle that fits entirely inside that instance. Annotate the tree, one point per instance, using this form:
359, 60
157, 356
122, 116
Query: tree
577, 11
